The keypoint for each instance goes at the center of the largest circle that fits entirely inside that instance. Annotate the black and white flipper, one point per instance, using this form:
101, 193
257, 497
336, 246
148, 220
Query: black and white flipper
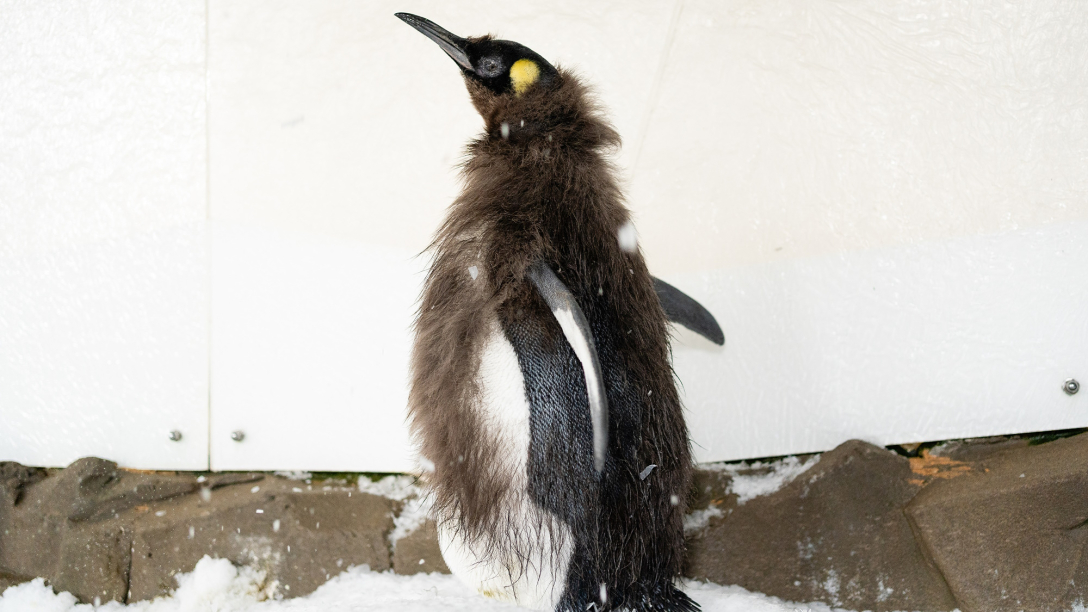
681, 308
576, 329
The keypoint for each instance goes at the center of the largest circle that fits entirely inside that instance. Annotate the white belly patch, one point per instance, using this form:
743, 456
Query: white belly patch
521, 564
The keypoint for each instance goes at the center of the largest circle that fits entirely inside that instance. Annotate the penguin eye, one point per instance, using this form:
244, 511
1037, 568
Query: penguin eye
490, 66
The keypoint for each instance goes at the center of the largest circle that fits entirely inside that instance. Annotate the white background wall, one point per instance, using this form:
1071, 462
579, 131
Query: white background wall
210, 215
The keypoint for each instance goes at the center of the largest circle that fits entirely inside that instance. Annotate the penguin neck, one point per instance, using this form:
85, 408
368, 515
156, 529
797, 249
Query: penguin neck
546, 189
557, 116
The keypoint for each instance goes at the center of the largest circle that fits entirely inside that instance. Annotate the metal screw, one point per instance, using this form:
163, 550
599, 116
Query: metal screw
238, 435
1071, 386
175, 436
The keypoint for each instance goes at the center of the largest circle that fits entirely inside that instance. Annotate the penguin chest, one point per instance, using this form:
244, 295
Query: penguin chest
524, 557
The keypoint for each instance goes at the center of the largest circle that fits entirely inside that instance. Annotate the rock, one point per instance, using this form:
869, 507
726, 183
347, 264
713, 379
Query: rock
978, 449
9, 580
14, 477
70, 530
419, 552
94, 561
837, 534
1012, 537
30, 545
298, 538
94, 489
710, 488
218, 481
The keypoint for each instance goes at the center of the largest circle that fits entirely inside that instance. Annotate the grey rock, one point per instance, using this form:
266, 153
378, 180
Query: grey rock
218, 481
94, 561
1014, 535
8, 580
979, 449
298, 538
92, 489
836, 534
14, 477
72, 528
711, 487
31, 540
419, 552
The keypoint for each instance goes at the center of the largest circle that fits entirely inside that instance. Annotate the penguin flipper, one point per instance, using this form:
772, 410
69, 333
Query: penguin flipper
683, 309
576, 329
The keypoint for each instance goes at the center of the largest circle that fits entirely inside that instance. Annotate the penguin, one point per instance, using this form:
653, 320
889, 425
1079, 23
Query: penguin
543, 401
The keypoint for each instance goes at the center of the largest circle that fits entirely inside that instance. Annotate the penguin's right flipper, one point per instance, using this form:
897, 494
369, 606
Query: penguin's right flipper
576, 329
683, 309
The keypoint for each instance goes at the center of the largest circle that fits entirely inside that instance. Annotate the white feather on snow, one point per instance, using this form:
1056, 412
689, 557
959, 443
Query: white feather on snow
217, 586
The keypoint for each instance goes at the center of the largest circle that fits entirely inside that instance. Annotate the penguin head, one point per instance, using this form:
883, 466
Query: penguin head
492, 68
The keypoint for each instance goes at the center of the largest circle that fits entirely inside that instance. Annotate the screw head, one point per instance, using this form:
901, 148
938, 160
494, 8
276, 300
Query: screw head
175, 436
238, 435
1071, 386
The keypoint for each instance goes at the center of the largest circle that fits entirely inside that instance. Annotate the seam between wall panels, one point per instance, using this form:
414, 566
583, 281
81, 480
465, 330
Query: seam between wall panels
208, 242
659, 76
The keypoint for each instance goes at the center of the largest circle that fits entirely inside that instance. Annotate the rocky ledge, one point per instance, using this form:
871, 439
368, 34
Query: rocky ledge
993, 525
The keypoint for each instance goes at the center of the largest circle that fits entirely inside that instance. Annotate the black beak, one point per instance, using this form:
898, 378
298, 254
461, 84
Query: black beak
453, 45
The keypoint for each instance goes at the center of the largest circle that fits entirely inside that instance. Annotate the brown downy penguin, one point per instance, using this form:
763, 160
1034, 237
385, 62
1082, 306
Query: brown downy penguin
542, 391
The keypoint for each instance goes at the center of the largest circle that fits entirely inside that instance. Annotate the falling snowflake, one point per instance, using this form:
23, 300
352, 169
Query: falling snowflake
627, 237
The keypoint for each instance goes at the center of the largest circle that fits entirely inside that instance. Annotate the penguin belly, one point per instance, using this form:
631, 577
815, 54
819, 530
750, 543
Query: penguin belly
525, 559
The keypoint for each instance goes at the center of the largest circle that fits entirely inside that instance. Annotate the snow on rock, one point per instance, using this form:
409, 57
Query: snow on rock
217, 586
403, 489
295, 474
752, 480
399, 487
411, 517
698, 519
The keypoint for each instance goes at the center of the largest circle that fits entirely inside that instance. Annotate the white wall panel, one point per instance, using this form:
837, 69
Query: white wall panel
794, 128
884, 202
310, 351
103, 263
947, 339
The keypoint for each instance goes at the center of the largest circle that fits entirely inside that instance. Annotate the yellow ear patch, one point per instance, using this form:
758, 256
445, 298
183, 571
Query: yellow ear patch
523, 74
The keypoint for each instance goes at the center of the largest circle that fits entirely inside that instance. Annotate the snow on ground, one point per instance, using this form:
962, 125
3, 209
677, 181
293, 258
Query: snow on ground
217, 586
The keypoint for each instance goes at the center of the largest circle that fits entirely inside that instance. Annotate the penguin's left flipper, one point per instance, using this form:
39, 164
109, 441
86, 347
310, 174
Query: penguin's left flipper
681, 308
576, 329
